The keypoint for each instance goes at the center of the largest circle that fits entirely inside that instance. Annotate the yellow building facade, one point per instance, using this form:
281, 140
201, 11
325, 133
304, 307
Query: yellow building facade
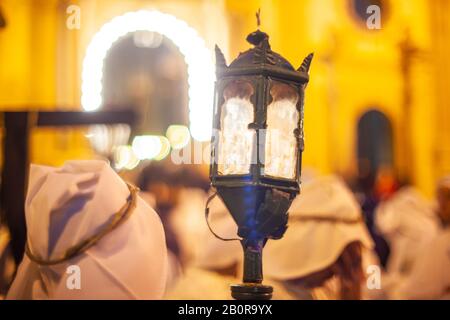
400, 70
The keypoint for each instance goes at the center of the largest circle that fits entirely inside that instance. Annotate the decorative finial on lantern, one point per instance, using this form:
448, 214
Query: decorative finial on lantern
306, 63
258, 37
220, 58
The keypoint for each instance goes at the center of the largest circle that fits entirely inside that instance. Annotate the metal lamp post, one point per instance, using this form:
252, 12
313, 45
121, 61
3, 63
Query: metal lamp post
257, 148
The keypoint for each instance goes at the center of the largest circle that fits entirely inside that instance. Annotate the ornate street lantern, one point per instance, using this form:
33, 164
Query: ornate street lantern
257, 149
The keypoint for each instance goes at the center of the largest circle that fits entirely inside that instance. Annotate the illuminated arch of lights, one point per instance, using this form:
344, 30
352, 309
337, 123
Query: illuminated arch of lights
200, 67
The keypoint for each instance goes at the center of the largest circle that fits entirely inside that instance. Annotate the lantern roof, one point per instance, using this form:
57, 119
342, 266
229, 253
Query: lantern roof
260, 54
262, 60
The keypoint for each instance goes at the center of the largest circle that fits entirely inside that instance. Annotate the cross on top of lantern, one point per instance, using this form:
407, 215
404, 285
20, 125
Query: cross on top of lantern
257, 146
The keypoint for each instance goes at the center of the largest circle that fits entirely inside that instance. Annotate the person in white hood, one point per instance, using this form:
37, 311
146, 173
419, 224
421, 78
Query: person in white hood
430, 275
216, 263
90, 236
321, 254
408, 222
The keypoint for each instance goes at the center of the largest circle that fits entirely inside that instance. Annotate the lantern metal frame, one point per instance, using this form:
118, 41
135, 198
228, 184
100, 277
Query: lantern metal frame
268, 67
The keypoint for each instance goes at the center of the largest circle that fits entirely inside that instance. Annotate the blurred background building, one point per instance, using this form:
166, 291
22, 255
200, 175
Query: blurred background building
378, 101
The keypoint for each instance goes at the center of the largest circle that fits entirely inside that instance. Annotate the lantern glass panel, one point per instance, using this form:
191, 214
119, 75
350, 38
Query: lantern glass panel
236, 140
282, 120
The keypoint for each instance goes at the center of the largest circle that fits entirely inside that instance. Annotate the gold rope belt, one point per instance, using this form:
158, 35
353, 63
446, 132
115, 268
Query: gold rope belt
118, 218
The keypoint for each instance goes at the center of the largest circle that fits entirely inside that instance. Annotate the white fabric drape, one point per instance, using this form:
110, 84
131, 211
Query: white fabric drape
67, 205
323, 220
